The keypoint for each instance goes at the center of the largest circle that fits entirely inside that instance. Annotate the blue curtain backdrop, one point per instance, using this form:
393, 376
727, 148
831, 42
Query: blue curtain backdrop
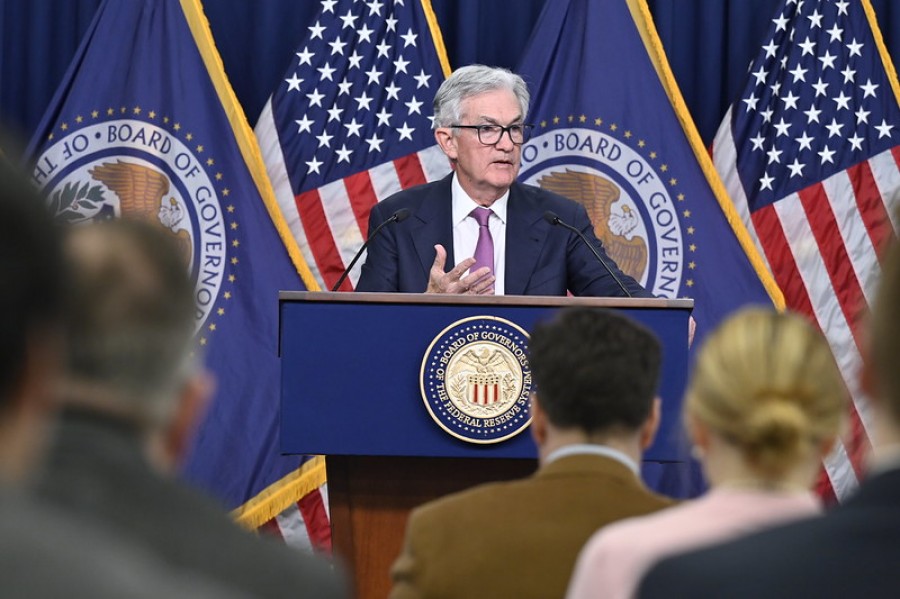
709, 44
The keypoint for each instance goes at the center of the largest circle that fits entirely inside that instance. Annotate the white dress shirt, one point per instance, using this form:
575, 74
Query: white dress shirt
465, 231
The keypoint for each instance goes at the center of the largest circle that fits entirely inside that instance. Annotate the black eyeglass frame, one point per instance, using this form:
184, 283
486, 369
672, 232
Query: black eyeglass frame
526, 132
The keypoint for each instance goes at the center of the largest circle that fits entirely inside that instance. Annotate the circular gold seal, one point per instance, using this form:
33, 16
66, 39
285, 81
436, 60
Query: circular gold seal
476, 381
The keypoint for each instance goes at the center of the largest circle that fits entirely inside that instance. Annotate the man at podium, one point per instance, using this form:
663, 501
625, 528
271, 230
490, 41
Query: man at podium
499, 236
594, 414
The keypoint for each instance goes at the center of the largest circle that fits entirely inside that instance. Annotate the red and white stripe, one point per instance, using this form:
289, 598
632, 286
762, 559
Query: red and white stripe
305, 525
485, 394
330, 223
822, 246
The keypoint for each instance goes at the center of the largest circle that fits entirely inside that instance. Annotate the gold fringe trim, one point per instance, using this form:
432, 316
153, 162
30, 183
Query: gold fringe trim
436, 37
244, 136
640, 12
277, 497
882, 49
281, 494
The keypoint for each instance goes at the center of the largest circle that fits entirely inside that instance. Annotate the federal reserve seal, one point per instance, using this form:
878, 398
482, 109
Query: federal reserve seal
476, 380
630, 200
139, 164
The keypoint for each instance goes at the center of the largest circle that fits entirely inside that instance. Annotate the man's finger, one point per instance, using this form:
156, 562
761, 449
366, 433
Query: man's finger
485, 286
475, 277
440, 257
476, 282
460, 268
436, 278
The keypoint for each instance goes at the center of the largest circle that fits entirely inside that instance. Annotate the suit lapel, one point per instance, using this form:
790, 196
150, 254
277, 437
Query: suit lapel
524, 239
434, 224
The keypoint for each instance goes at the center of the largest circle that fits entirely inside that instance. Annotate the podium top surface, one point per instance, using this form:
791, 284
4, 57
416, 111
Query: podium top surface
484, 300
360, 370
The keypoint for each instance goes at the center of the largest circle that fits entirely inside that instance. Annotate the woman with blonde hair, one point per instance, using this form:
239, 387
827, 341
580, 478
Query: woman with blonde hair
763, 407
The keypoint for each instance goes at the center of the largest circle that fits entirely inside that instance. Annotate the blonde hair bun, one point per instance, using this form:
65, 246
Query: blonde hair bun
767, 383
777, 431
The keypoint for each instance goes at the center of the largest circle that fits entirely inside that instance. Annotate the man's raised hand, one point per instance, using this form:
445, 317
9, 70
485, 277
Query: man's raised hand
480, 282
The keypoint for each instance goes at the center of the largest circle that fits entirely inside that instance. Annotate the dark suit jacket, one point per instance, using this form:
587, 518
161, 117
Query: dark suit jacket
96, 471
46, 554
541, 259
516, 539
853, 551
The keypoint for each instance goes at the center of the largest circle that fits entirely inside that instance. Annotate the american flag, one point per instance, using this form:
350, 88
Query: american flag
350, 124
809, 156
304, 525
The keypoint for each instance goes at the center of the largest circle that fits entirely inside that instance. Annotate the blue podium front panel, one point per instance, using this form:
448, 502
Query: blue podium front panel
351, 368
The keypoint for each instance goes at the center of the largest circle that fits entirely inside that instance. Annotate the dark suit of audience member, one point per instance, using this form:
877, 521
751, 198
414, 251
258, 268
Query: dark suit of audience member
853, 551
133, 393
593, 415
45, 553
97, 468
479, 117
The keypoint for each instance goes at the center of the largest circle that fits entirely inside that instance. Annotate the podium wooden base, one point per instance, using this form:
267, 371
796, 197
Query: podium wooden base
371, 497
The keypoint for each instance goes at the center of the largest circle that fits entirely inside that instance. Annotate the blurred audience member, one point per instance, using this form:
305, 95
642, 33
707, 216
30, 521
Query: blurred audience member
592, 416
763, 407
44, 554
853, 550
133, 392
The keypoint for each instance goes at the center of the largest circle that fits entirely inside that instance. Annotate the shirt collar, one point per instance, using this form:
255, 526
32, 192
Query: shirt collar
591, 449
463, 204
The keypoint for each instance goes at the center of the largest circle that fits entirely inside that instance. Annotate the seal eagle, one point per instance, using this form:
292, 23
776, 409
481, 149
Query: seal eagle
141, 191
597, 195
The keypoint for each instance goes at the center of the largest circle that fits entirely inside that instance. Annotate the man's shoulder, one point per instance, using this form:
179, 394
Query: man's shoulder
178, 524
203, 537
790, 555
836, 532
47, 552
580, 475
544, 199
412, 196
445, 508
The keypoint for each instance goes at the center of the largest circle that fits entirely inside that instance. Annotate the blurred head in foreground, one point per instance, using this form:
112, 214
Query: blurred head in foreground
32, 279
765, 401
880, 377
596, 373
129, 349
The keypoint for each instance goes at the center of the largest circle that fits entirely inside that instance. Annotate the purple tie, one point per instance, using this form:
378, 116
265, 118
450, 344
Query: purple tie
484, 248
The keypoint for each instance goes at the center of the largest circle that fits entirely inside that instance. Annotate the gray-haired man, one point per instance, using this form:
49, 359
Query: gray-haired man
488, 230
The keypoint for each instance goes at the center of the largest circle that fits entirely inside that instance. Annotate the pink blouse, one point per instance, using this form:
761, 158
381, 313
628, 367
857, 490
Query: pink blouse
615, 558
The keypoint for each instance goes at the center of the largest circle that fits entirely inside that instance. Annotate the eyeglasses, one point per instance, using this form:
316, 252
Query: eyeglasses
491, 135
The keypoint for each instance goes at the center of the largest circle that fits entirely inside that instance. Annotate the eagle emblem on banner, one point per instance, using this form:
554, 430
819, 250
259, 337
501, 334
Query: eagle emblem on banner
617, 230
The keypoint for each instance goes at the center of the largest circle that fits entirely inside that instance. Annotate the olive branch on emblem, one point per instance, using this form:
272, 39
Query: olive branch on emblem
73, 202
458, 386
509, 385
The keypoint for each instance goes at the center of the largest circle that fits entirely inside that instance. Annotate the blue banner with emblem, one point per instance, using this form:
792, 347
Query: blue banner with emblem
145, 125
612, 132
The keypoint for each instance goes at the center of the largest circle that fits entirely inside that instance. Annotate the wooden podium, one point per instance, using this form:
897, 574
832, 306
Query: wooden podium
351, 366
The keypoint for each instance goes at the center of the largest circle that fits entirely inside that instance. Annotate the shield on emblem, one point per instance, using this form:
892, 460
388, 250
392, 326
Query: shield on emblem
483, 389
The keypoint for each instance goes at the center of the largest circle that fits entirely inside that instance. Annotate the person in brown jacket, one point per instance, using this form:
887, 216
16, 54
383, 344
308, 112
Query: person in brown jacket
593, 414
